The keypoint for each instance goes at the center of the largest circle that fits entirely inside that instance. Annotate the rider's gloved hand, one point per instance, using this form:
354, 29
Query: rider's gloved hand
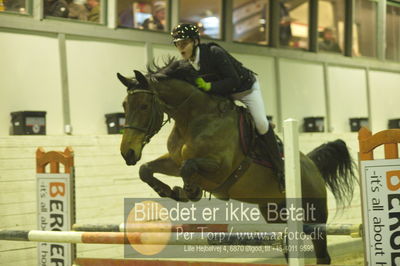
202, 84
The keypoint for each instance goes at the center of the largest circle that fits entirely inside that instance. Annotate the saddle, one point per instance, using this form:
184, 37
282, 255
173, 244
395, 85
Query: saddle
250, 143
250, 140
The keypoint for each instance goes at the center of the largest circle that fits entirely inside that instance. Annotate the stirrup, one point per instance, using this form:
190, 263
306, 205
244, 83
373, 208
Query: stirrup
282, 187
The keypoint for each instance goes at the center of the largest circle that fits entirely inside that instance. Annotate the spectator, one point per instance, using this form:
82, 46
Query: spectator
14, 6
76, 11
329, 44
285, 30
126, 18
56, 8
157, 20
94, 10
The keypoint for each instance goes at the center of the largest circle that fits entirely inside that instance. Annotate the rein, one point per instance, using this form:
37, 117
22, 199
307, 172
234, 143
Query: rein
171, 108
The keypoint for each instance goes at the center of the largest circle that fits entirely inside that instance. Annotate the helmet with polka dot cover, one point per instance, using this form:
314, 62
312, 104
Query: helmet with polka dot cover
185, 31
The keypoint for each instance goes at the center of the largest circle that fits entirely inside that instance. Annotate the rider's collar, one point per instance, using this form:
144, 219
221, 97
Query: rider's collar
196, 62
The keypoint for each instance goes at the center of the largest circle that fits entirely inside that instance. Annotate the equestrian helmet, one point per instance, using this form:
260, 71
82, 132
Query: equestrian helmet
185, 31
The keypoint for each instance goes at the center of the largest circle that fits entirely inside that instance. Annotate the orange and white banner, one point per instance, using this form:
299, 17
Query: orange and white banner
54, 214
381, 211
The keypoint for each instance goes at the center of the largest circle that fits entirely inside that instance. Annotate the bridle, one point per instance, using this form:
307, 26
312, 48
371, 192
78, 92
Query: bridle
156, 121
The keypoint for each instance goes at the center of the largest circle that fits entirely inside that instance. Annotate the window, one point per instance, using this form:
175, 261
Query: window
293, 25
89, 10
143, 14
250, 21
364, 43
393, 33
331, 25
14, 6
206, 14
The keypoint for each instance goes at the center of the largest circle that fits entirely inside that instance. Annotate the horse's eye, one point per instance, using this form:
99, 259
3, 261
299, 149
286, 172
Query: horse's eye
143, 107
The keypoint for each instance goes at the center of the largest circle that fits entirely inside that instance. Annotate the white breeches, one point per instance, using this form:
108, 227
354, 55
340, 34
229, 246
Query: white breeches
253, 100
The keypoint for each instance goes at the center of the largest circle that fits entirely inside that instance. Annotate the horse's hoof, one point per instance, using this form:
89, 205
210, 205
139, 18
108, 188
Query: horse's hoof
195, 195
179, 194
326, 260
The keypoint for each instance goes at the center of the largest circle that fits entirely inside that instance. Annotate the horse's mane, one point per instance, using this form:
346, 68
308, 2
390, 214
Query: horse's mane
172, 68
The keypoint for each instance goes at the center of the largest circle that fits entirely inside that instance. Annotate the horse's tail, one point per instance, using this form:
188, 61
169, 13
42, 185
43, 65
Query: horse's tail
337, 168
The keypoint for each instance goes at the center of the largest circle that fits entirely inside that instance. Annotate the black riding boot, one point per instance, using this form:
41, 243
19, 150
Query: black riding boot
272, 149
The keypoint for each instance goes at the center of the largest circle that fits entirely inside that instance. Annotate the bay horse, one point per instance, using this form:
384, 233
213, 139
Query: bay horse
204, 148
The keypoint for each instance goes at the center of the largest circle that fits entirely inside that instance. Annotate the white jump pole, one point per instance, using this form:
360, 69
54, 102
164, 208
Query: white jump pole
293, 187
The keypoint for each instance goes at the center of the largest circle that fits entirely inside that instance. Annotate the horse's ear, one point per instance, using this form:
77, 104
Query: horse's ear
127, 82
144, 84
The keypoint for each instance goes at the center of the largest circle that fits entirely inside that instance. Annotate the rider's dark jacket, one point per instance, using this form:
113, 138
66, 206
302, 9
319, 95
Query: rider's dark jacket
226, 74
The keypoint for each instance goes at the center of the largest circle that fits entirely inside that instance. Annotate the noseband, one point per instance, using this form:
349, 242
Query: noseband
156, 118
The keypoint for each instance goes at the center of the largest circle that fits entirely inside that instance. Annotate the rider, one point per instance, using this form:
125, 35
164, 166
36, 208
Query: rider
221, 74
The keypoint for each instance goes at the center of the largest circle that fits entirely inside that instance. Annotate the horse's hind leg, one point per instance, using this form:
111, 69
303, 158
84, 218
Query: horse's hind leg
319, 239
321, 249
163, 165
273, 218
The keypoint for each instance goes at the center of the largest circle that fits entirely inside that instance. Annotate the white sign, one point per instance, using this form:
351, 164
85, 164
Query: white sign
381, 211
54, 214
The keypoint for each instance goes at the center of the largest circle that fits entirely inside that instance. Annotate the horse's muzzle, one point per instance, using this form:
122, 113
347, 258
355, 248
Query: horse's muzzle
129, 157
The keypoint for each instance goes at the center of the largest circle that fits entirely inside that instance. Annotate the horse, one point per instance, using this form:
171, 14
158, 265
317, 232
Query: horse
204, 148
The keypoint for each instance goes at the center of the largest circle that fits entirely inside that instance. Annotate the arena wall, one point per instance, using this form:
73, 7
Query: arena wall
30, 78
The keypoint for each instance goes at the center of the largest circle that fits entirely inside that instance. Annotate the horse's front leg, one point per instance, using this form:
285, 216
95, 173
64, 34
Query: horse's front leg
194, 166
163, 165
